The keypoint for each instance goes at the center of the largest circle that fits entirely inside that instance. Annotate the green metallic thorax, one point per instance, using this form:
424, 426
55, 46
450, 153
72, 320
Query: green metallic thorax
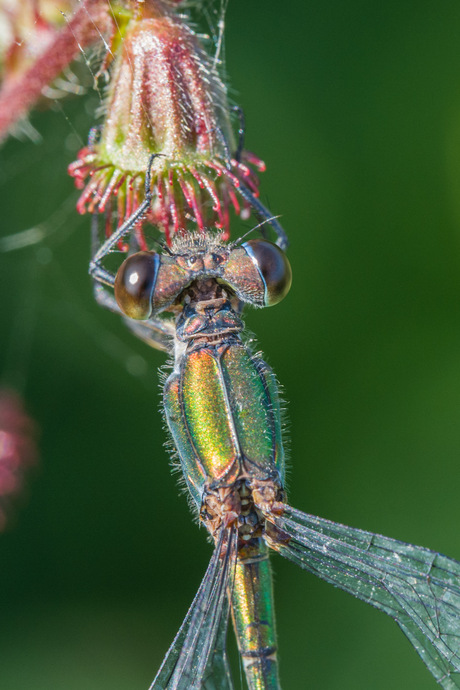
222, 408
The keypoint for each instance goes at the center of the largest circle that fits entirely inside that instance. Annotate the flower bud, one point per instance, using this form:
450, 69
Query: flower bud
166, 97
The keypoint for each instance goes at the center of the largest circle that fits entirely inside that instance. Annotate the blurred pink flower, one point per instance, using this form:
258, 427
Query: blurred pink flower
18, 451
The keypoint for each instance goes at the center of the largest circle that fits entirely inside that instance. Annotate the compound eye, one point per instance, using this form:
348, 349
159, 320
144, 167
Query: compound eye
135, 284
274, 269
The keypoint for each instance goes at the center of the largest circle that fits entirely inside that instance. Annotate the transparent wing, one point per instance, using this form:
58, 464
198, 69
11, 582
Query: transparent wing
217, 675
417, 587
197, 658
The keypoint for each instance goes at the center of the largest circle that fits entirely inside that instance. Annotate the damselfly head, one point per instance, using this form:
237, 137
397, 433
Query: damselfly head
256, 272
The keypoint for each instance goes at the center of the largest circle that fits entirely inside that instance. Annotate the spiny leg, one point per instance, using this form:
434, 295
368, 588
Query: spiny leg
156, 332
96, 269
261, 211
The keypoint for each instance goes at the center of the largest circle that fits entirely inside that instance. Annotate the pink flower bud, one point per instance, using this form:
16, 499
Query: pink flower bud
166, 97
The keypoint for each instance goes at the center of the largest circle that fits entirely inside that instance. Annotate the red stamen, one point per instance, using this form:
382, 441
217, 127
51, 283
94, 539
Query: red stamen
185, 191
214, 166
174, 212
138, 231
129, 200
121, 208
234, 201
233, 178
118, 185
226, 217
134, 177
162, 204
241, 167
197, 177
108, 221
254, 160
213, 194
195, 205
109, 189
100, 167
217, 208
81, 203
253, 186
74, 168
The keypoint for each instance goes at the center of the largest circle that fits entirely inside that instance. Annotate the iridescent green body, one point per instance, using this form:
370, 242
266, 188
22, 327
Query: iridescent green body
223, 411
253, 616
222, 408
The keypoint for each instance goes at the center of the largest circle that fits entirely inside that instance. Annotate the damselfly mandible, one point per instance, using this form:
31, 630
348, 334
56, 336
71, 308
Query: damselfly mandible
222, 408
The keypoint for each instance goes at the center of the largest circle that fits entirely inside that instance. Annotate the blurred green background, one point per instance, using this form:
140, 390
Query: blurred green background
355, 107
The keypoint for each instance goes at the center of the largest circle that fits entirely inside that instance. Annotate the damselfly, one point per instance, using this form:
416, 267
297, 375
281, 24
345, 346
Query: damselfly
222, 408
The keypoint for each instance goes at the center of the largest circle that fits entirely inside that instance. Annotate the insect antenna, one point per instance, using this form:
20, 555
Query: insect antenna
162, 246
256, 227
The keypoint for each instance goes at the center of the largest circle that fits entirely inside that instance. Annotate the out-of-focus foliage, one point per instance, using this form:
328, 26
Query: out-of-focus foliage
355, 107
